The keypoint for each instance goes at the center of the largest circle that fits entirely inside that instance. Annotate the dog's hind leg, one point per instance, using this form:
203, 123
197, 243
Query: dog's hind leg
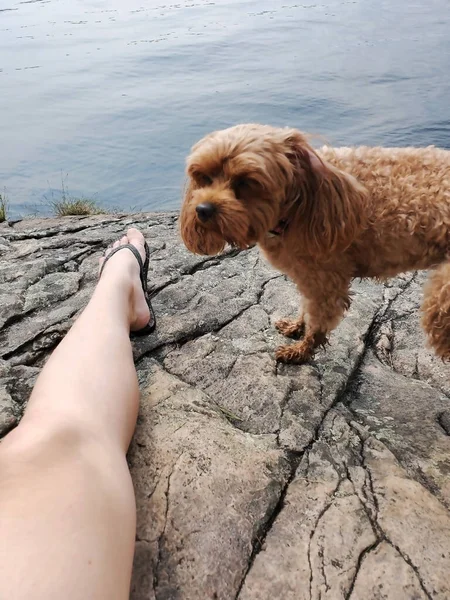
325, 299
436, 311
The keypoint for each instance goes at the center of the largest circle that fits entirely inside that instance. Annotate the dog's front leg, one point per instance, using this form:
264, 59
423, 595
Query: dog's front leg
325, 299
292, 327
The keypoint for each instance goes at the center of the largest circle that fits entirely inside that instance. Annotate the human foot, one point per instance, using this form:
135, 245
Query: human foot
125, 266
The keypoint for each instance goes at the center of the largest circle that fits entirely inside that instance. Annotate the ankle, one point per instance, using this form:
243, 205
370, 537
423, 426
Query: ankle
116, 290
122, 274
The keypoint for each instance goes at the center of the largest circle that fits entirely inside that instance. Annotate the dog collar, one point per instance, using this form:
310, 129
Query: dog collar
278, 230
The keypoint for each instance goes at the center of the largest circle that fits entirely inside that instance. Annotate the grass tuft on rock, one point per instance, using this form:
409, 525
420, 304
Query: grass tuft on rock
68, 205
3, 208
76, 207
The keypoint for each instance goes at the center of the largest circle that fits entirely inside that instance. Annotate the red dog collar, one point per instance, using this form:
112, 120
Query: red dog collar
279, 229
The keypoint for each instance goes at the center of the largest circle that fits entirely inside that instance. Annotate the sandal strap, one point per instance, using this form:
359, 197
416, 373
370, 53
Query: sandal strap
134, 250
143, 273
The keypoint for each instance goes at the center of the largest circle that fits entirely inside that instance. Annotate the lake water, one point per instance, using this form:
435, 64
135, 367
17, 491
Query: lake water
109, 95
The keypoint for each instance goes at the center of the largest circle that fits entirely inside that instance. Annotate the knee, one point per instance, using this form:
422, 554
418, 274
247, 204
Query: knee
47, 445
35, 436
37, 452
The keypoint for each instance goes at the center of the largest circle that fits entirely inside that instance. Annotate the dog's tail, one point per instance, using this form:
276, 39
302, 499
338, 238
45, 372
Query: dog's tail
436, 311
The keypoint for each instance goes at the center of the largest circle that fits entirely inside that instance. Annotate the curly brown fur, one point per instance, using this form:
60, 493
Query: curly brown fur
336, 214
436, 310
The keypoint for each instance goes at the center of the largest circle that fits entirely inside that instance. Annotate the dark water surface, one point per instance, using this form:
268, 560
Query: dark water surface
110, 94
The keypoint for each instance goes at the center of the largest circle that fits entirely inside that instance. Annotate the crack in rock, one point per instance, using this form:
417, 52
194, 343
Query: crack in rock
361, 558
373, 516
322, 513
163, 532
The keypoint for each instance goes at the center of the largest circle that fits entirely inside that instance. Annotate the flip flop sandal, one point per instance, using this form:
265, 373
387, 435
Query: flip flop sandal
143, 273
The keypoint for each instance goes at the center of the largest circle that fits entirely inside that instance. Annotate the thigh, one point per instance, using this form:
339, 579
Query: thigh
67, 518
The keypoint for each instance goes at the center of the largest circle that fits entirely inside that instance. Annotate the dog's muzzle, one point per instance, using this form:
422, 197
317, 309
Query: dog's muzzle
205, 211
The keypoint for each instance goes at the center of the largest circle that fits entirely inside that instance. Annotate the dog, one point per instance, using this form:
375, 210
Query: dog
324, 217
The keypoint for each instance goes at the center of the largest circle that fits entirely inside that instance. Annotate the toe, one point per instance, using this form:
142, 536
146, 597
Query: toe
136, 238
135, 233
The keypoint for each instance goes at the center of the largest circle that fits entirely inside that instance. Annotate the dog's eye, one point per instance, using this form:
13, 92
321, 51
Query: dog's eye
202, 179
240, 186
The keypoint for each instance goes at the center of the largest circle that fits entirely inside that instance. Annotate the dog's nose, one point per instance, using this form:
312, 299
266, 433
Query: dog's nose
205, 211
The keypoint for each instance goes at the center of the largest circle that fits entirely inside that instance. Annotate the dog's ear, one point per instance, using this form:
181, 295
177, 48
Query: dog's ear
329, 205
187, 216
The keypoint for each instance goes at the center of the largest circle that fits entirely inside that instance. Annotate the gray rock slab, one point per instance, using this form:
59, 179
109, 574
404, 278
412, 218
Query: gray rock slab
253, 480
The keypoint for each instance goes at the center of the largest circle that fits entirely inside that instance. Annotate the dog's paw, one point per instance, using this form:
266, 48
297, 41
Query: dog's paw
290, 327
295, 354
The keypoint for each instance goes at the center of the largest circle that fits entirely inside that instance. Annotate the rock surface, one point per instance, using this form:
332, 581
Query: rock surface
254, 480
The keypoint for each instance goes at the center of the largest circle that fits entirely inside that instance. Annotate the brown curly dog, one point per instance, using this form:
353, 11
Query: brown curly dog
324, 217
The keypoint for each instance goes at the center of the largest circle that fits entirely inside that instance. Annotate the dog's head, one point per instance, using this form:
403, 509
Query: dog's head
244, 181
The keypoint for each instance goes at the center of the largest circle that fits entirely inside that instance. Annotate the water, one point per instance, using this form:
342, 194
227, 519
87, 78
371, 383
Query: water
109, 95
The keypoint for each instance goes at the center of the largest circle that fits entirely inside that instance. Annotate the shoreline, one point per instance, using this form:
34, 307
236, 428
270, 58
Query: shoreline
339, 466
12, 221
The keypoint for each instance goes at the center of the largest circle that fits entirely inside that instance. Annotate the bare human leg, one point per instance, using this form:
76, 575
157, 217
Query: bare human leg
67, 509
